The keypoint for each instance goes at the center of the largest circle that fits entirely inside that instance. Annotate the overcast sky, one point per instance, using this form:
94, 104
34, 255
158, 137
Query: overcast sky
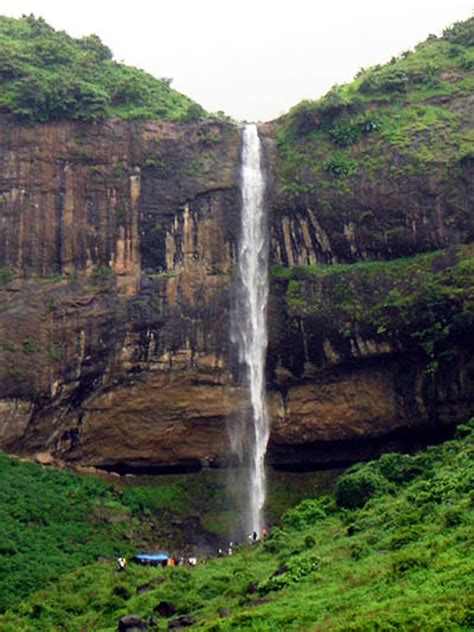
253, 59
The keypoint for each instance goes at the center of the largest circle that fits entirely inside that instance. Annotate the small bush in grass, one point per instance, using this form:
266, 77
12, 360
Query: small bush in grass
403, 536
453, 516
360, 551
276, 540
355, 488
385, 80
309, 541
464, 430
339, 166
294, 570
308, 512
399, 468
407, 562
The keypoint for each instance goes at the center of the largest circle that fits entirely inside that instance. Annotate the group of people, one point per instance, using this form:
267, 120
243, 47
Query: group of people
171, 560
252, 538
230, 550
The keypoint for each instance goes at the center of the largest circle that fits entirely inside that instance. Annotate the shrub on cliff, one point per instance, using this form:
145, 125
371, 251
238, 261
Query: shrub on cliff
39, 98
399, 468
46, 75
461, 33
309, 115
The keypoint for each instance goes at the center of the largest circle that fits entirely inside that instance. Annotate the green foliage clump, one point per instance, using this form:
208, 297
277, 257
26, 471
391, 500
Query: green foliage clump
356, 487
399, 468
351, 130
30, 346
308, 512
46, 75
296, 569
461, 33
339, 166
384, 80
309, 115
42, 98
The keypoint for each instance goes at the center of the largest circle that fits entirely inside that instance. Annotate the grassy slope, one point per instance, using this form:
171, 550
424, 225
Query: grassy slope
55, 521
47, 75
405, 118
392, 549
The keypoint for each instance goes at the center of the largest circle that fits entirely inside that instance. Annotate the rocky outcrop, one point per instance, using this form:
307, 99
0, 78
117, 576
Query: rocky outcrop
117, 245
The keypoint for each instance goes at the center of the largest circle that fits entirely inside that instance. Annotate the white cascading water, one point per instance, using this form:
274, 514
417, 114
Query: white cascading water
249, 329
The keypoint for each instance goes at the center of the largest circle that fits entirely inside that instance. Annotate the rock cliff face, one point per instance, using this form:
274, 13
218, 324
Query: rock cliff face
117, 246
119, 240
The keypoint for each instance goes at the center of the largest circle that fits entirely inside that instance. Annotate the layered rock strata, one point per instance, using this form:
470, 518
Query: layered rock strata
117, 246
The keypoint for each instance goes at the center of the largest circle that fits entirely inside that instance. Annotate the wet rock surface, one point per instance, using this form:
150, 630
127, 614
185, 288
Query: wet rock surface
117, 243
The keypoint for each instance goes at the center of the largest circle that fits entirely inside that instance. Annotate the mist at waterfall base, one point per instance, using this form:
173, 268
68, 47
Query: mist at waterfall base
249, 431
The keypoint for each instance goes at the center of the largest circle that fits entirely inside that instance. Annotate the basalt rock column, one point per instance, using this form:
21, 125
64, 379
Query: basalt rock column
249, 331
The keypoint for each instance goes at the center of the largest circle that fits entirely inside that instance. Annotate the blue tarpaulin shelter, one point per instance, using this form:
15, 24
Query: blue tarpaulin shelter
151, 559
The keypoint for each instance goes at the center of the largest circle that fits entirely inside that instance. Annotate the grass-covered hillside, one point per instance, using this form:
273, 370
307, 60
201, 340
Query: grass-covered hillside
393, 121
53, 521
391, 549
46, 75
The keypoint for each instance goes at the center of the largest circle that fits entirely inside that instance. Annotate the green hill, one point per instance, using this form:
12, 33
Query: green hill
391, 549
408, 117
46, 75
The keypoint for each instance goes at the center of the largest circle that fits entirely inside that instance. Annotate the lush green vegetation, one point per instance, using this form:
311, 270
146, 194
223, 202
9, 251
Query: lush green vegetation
391, 549
52, 522
391, 121
46, 75
55, 521
424, 302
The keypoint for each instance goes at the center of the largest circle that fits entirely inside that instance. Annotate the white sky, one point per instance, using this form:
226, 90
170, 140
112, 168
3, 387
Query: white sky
253, 59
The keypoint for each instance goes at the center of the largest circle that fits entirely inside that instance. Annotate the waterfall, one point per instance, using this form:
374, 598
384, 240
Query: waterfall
249, 435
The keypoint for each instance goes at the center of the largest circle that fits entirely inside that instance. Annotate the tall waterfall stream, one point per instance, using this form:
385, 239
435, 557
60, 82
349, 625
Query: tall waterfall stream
249, 437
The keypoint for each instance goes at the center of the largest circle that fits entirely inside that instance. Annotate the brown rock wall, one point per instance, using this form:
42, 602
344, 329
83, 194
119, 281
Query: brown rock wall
114, 332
